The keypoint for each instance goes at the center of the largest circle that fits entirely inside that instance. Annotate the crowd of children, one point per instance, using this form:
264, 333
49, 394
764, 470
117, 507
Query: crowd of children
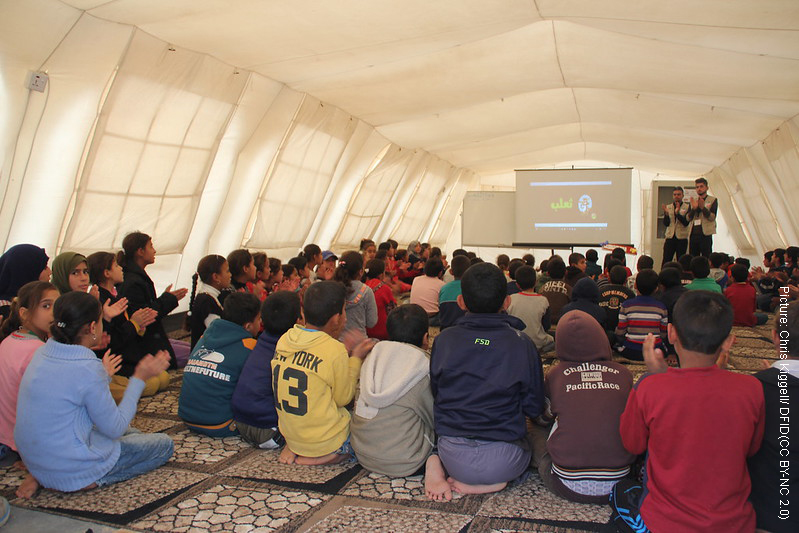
317, 357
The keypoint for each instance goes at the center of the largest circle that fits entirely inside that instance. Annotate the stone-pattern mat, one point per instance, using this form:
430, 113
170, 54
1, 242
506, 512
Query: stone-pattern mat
370, 520
237, 507
264, 466
165, 402
197, 449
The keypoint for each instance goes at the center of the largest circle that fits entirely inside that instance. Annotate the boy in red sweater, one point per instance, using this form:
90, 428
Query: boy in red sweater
741, 295
698, 424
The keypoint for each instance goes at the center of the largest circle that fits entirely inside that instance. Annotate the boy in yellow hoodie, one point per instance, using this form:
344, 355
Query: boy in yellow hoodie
313, 378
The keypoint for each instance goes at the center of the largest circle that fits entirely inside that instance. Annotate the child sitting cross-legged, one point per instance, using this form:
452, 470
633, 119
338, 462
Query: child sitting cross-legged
697, 424
533, 309
215, 364
392, 427
253, 401
485, 376
640, 316
314, 379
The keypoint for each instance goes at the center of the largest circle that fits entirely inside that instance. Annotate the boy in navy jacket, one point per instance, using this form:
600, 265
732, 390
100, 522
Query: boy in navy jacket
486, 376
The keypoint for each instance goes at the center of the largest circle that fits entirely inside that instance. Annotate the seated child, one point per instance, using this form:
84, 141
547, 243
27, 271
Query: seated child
585, 297
392, 426
556, 290
671, 288
242, 270
384, 297
23, 332
253, 402
697, 424
781, 390
592, 269
645, 262
70, 272
314, 379
743, 298
587, 391
532, 309
514, 265
205, 307
215, 364
700, 268
73, 436
485, 377
612, 295
361, 306
641, 316
719, 262
448, 309
426, 290
576, 269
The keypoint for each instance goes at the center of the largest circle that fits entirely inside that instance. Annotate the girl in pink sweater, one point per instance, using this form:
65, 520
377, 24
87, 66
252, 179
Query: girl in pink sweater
22, 333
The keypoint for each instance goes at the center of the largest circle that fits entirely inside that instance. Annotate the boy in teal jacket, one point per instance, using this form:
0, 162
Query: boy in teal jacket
210, 377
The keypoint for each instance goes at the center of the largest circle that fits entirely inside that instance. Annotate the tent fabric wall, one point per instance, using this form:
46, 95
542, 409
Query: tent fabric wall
217, 124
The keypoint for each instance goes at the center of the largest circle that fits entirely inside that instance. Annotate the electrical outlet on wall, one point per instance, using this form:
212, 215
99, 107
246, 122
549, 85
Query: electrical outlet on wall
38, 81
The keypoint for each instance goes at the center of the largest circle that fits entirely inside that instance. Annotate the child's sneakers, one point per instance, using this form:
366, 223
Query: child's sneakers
277, 441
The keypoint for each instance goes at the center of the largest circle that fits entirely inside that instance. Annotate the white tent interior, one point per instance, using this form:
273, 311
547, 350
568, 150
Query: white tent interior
212, 124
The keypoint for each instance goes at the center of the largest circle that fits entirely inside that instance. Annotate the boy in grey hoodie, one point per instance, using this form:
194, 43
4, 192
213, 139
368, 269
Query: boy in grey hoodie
391, 430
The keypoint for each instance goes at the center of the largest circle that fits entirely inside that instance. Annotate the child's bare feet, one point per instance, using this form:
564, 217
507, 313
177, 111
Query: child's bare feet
28, 488
436, 486
329, 459
463, 488
287, 456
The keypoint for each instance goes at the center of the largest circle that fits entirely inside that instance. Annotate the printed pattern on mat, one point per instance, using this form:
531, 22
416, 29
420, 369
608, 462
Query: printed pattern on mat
370, 520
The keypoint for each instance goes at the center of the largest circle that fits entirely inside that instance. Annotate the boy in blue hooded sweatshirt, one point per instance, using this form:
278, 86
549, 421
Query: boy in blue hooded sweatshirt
486, 377
254, 401
214, 367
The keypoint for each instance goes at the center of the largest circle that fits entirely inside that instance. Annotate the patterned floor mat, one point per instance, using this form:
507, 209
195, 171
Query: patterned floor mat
226, 485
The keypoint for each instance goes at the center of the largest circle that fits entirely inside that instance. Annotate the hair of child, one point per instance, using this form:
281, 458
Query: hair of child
792, 253
433, 267
743, 261
98, 263
381, 254
476, 260
700, 267
618, 275
374, 268
274, 265
408, 323
348, 269
288, 270
28, 296
471, 255
575, 258
513, 266
310, 251
384, 246
789, 340
241, 308
459, 265
503, 261
238, 260
556, 269
323, 300
394, 244
717, 259
703, 320
366, 243
768, 255
299, 263
645, 262
669, 277
132, 243
260, 259
529, 259
673, 264
280, 311
72, 312
685, 262
544, 265
525, 277
779, 253
739, 273
484, 288
646, 281
459, 251
591, 255
401, 255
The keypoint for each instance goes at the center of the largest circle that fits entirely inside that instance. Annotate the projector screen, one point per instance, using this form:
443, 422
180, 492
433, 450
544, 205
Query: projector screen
584, 207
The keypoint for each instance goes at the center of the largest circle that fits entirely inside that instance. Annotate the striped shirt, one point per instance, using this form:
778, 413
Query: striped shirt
639, 317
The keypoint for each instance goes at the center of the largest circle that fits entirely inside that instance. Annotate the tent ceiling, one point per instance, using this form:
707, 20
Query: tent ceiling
674, 87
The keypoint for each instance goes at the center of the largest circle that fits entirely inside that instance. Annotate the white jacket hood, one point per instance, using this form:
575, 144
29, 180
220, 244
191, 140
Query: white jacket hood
388, 373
